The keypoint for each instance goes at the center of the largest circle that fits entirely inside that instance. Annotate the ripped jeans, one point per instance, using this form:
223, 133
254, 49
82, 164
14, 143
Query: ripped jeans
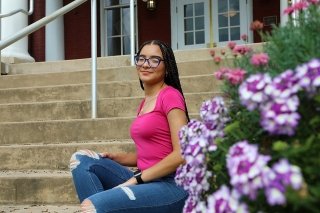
95, 178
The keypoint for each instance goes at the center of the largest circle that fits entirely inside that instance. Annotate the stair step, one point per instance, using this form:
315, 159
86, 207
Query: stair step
190, 84
103, 75
61, 131
55, 156
40, 208
37, 187
67, 110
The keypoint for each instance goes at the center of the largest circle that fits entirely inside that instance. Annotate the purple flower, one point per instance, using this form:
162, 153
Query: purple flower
309, 75
280, 117
251, 91
283, 86
274, 189
193, 175
224, 201
245, 165
214, 115
289, 174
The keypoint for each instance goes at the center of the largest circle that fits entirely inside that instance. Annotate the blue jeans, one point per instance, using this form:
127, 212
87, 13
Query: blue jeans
95, 178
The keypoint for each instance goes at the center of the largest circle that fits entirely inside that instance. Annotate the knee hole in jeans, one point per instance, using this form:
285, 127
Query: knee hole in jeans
87, 207
74, 162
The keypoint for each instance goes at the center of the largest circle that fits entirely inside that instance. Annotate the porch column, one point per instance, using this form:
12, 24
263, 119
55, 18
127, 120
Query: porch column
18, 51
283, 17
54, 33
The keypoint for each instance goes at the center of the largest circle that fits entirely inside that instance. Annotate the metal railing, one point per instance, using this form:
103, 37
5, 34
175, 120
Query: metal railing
31, 7
42, 22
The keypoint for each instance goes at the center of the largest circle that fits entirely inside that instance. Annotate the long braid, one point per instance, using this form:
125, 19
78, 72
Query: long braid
172, 74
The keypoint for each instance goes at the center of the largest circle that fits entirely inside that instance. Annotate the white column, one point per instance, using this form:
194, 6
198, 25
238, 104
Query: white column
54, 33
283, 17
18, 51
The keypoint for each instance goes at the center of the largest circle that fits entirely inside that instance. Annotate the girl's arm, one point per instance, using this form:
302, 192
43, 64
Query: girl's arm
125, 159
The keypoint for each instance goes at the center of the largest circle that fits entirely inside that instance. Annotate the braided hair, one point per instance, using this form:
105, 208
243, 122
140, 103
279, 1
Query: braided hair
171, 73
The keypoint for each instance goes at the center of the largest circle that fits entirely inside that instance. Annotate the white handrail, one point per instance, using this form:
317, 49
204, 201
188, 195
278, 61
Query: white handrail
94, 59
31, 7
38, 24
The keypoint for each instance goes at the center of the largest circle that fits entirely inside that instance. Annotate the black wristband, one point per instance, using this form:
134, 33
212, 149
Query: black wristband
137, 175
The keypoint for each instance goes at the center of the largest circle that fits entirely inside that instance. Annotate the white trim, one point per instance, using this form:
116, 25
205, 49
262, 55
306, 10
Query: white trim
54, 33
174, 24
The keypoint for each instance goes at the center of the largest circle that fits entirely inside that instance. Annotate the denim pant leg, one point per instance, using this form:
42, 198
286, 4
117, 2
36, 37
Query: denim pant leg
92, 173
162, 196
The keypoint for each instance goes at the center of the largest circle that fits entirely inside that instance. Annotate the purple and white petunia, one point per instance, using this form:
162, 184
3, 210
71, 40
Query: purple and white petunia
214, 114
280, 117
283, 86
225, 201
251, 91
309, 75
245, 165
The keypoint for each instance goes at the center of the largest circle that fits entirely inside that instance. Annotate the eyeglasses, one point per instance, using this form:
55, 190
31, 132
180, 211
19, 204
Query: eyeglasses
153, 61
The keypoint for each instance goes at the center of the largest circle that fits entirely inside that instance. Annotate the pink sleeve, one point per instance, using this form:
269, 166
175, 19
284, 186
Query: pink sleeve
172, 99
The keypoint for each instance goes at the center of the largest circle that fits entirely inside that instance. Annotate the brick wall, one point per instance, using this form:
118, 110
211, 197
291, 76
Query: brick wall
37, 39
154, 24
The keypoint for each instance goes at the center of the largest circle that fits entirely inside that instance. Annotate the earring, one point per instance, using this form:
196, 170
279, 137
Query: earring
166, 74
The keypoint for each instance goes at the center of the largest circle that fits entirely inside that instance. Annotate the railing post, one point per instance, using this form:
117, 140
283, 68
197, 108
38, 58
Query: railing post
94, 59
132, 43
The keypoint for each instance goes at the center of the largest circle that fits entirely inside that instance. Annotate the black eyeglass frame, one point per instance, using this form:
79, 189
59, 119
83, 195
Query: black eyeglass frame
147, 59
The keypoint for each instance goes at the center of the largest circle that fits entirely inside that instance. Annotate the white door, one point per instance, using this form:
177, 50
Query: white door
190, 22
230, 20
191, 27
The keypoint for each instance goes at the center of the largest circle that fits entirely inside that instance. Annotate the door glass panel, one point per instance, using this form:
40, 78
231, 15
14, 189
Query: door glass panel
200, 37
194, 24
117, 27
188, 10
235, 33
235, 19
113, 25
199, 23
222, 6
228, 20
126, 21
199, 9
234, 5
223, 35
188, 38
114, 46
126, 45
188, 24
223, 20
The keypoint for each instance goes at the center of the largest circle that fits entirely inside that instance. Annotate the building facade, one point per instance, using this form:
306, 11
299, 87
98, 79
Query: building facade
185, 24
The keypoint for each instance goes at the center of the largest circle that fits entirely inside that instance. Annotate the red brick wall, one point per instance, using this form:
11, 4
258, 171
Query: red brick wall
77, 31
154, 24
37, 39
265, 8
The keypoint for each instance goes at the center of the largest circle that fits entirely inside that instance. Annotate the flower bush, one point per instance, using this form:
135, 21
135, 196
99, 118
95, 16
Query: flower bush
261, 152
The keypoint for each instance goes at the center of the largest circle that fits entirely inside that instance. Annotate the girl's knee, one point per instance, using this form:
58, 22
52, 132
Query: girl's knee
75, 160
87, 207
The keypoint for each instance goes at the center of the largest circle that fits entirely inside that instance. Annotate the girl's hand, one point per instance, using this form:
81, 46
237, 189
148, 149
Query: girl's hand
131, 181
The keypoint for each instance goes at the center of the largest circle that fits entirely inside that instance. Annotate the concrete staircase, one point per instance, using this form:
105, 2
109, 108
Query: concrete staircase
45, 117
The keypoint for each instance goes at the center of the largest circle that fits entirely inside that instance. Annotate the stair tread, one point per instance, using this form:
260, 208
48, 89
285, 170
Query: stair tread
40, 208
34, 173
69, 143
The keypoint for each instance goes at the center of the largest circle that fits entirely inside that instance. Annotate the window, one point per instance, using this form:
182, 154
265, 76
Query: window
117, 27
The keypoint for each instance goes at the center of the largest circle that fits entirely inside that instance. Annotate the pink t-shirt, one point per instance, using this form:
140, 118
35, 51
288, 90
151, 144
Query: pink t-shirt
151, 132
